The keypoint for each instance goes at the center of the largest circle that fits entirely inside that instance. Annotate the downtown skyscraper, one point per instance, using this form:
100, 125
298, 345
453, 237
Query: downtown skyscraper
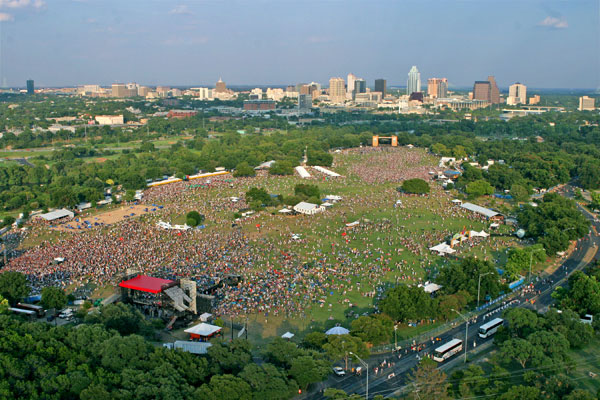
414, 81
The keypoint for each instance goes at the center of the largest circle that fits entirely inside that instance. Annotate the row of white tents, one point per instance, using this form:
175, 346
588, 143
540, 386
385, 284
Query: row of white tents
444, 248
166, 225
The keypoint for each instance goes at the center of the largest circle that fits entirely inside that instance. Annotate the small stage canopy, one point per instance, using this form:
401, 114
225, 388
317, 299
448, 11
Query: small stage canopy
202, 331
146, 283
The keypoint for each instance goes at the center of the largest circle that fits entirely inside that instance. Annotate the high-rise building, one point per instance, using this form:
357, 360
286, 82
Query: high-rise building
517, 94
437, 88
30, 88
481, 91
119, 90
360, 86
486, 91
350, 86
220, 86
381, 86
414, 81
494, 91
163, 91
337, 90
586, 103
304, 102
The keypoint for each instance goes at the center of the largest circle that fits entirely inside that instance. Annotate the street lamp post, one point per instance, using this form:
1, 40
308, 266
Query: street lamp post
395, 337
479, 286
466, 332
531, 263
367, 368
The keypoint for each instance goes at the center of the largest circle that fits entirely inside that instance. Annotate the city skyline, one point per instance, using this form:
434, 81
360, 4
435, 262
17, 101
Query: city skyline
187, 43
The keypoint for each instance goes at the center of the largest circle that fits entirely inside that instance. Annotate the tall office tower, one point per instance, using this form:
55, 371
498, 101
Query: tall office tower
350, 86
381, 86
437, 87
481, 91
337, 90
494, 91
414, 81
517, 94
487, 91
119, 90
442, 88
30, 89
586, 103
143, 91
220, 87
360, 86
304, 102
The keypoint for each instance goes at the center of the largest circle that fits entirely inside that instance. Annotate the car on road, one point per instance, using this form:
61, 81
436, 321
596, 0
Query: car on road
339, 371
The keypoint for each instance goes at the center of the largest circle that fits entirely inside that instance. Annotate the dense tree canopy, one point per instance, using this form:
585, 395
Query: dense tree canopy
553, 222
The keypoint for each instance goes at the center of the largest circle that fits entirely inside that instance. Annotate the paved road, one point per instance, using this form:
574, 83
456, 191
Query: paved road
393, 375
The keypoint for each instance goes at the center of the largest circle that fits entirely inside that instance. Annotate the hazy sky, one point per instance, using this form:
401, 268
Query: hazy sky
70, 42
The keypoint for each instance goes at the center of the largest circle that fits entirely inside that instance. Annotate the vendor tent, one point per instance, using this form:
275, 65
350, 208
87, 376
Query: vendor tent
308, 208
442, 249
479, 234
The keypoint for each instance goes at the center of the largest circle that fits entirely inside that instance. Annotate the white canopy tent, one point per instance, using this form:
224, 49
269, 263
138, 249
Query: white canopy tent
302, 172
442, 249
326, 171
479, 234
203, 329
288, 335
308, 208
337, 330
57, 214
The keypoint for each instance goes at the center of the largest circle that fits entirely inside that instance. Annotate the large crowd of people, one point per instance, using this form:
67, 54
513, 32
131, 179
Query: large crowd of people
281, 274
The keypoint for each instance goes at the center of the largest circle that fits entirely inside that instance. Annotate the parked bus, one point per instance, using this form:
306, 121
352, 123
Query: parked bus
24, 313
447, 350
487, 330
39, 310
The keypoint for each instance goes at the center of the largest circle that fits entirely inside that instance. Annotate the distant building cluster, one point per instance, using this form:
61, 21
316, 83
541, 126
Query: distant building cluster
353, 92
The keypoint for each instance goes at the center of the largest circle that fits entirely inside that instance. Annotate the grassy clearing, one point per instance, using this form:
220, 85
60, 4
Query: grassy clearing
24, 153
587, 360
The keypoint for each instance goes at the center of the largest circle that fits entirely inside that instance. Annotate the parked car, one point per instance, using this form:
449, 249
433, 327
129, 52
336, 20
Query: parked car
339, 371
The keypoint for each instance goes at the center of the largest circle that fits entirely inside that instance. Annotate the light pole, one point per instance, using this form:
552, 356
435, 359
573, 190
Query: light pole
395, 337
531, 262
479, 286
367, 368
466, 332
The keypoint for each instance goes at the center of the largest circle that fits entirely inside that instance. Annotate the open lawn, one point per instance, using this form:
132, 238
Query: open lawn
587, 360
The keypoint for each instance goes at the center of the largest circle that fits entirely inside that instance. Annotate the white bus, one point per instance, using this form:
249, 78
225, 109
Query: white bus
447, 350
487, 330
28, 314
39, 310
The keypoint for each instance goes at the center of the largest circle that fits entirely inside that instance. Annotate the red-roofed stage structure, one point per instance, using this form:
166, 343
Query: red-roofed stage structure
148, 284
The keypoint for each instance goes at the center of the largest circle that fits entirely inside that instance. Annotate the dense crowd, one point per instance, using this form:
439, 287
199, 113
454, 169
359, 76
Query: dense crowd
280, 274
